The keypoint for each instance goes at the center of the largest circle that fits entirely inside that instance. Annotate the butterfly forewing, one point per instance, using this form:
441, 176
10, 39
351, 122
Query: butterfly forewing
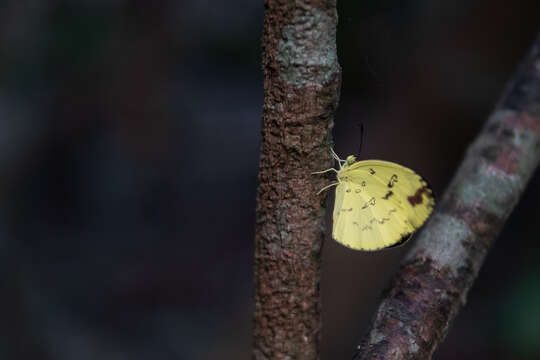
378, 204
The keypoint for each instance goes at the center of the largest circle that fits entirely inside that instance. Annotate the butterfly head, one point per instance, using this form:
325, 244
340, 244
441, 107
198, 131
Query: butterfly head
351, 159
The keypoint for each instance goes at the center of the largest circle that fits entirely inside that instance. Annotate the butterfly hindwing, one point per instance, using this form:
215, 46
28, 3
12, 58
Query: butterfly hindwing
352, 218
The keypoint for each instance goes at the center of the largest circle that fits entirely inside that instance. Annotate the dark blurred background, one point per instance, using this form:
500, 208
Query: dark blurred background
129, 138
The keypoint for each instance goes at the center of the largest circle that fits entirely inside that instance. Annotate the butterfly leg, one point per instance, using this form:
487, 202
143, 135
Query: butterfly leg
324, 171
327, 186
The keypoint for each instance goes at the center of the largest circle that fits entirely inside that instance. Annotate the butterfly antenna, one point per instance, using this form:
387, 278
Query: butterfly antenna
334, 155
361, 139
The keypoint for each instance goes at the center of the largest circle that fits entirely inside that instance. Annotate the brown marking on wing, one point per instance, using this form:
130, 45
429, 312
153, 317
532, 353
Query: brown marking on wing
417, 198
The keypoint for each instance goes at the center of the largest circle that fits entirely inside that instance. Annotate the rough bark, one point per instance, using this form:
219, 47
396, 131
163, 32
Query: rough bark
434, 278
301, 91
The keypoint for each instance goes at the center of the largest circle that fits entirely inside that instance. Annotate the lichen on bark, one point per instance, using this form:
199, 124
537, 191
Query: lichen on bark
307, 47
301, 91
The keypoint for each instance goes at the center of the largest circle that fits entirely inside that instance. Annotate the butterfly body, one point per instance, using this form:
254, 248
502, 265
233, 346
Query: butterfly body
378, 204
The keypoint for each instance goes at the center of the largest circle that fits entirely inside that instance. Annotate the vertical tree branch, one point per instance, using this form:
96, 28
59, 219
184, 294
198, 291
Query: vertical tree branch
301, 91
434, 278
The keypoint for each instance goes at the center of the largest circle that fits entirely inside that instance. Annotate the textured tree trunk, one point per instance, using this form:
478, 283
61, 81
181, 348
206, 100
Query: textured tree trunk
432, 283
301, 91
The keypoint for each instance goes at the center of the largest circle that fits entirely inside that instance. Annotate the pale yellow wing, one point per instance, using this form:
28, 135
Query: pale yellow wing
379, 204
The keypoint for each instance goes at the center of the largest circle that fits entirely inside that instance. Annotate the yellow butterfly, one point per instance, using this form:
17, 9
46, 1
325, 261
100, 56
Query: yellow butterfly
378, 203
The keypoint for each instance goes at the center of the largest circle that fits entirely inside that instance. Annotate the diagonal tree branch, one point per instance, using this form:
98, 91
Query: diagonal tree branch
434, 278
301, 91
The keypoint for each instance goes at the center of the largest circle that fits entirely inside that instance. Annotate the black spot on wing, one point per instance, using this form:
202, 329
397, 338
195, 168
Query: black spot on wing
392, 181
388, 194
370, 202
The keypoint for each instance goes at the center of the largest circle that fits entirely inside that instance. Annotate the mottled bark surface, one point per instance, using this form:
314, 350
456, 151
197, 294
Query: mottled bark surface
434, 278
301, 90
